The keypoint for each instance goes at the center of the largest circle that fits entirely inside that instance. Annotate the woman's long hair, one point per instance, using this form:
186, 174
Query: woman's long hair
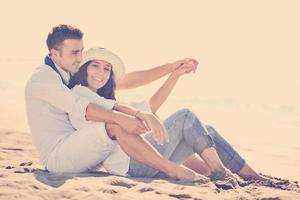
80, 78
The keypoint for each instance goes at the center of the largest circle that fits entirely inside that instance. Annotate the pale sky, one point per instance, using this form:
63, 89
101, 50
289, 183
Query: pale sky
247, 50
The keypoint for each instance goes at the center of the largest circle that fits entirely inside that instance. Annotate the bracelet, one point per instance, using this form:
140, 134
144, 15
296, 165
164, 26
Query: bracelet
136, 113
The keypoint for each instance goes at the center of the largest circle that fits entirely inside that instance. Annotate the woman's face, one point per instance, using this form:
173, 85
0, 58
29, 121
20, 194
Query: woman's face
98, 73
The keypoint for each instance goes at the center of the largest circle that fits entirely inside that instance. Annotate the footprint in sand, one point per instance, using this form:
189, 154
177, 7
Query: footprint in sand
12, 149
26, 164
108, 191
146, 190
84, 189
181, 196
37, 187
9, 167
270, 198
25, 170
122, 184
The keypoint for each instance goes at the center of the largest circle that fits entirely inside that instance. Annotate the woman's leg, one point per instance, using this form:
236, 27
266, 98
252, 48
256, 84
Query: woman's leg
174, 126
229, 157
85, 149
195, 163
139, 150
187, 136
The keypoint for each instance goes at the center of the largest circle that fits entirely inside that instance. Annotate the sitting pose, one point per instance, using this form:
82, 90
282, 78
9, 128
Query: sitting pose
51, 105
185, 133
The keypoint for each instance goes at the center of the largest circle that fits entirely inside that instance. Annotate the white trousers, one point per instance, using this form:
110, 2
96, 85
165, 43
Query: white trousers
86, 150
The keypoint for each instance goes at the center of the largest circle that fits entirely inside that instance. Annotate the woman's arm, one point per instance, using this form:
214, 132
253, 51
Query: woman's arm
164, 91
143, 77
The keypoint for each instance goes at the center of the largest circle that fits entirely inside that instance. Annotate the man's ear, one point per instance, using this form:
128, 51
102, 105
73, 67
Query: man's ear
54, 53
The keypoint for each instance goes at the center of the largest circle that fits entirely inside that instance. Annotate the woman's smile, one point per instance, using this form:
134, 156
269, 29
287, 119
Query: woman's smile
98, 73
97, 79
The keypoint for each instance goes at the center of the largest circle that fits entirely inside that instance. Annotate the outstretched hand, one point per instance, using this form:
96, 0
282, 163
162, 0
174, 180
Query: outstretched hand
190, 63
185, 68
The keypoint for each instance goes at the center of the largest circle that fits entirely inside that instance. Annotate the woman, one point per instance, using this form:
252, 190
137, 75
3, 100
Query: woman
96, 80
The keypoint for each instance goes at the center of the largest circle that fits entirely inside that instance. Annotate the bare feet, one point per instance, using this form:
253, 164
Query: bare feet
181, 173
247, 173
223, 178
195, 163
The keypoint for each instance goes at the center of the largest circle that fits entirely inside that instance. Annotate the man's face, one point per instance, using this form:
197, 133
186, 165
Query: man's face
69, 55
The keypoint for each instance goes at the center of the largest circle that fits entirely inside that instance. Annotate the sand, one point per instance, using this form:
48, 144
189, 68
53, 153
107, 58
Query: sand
22, 177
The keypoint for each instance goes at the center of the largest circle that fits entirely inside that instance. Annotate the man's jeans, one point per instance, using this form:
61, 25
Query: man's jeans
187, 136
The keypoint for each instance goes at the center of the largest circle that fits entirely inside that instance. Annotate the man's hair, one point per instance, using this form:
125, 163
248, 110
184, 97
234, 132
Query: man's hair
60, 33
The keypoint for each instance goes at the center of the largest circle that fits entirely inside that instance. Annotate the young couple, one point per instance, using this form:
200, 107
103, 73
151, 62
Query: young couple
77, 124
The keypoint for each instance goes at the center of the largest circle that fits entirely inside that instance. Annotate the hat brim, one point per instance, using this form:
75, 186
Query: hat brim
118, 66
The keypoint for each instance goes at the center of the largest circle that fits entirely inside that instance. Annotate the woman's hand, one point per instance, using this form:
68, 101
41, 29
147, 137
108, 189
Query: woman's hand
185, 68
154, 123
187, 61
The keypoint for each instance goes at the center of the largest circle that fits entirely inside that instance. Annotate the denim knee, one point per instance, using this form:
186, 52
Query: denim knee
195, 132
175, 123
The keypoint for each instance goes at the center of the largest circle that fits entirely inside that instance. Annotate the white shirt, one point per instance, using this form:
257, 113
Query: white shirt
48, 101
93, 97
50, 106
66, 76
117, 162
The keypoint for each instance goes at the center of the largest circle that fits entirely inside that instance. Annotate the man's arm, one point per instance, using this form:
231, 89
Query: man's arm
153, 123
127, 122
47, 86
143, 77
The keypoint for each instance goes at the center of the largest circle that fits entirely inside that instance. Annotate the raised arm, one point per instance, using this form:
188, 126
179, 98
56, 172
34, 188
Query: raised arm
143, 77
164, 91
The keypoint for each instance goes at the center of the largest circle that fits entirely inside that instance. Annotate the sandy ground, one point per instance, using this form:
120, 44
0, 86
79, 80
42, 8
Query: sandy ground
22, 177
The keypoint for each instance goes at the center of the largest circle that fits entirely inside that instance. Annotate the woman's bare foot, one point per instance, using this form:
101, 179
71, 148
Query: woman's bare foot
181, 173
195, 163
223, 178
247, 173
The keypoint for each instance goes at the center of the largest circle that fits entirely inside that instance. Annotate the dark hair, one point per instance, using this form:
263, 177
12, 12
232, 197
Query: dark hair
80, 78
60, 33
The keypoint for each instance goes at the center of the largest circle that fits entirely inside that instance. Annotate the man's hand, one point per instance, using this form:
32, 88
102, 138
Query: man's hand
131, 124
158, 130
187, 61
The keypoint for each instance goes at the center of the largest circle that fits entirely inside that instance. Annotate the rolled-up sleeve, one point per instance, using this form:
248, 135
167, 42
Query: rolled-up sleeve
47, 86
94, 97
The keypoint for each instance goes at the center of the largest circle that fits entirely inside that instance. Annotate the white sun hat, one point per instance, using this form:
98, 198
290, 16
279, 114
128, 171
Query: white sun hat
99, 53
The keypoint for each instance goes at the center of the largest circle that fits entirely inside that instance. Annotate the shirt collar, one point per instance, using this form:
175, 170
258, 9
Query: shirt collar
65, 75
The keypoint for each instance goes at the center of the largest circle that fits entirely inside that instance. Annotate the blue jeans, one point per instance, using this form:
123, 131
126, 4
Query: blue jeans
187, 135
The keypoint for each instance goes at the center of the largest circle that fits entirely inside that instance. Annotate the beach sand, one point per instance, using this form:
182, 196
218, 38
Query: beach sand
267, 139
22, 177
